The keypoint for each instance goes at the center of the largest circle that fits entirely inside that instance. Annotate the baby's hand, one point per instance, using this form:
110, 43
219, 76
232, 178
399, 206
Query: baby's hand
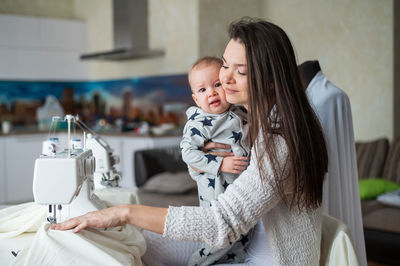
234, 164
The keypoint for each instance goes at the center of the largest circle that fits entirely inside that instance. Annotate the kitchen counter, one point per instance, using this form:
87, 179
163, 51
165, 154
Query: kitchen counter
103, 133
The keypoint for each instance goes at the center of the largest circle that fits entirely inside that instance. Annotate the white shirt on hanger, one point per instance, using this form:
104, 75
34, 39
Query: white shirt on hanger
341, 198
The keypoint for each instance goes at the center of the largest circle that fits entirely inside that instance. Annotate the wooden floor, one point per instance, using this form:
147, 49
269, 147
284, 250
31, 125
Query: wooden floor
372, 263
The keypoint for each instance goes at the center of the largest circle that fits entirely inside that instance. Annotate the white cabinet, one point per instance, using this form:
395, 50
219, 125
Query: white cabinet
21, 152
63, 34
42, 48
3, 182
129, 146
166, 141
19, 31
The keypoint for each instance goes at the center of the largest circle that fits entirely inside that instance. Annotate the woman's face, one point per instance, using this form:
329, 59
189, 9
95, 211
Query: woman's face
233, 74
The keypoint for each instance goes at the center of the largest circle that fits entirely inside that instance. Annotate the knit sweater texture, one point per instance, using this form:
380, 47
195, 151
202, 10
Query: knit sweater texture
294, 236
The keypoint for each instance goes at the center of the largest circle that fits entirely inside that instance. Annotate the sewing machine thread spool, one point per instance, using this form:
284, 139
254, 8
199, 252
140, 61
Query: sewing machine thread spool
49, 147
76, 144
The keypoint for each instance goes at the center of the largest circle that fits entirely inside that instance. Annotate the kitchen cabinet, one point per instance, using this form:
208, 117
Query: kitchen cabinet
3, 183
40, 48
20, 154
129, 146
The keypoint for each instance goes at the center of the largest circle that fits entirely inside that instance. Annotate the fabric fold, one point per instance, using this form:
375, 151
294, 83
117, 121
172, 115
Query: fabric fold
122, 245
118, 246
23, 218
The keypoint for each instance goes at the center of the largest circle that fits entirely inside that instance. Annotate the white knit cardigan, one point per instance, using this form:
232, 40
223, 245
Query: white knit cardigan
294, 236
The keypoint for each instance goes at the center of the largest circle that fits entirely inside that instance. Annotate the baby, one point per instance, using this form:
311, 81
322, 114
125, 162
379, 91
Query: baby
213, 120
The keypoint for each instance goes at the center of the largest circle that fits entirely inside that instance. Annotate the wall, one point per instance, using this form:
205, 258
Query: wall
214, 21
353, 41
396, 87
173, 28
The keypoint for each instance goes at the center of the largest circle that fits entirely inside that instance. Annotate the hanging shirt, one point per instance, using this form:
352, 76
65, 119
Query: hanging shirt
341, 198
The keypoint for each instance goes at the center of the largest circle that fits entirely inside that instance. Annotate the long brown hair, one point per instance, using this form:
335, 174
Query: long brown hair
278, 105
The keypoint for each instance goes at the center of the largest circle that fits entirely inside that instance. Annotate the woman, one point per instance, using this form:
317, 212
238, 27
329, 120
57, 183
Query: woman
282, 187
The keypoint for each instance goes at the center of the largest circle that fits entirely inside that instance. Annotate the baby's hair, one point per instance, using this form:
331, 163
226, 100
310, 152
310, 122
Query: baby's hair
206, 61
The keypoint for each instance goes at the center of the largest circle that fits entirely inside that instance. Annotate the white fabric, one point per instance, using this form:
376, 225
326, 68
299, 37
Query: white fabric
162, 251
390, 198
336, 246
341, 198
29, 217
23, 218
294, 236
18, 225
259, 251
118, 195
14, 244
342, 252
116, 246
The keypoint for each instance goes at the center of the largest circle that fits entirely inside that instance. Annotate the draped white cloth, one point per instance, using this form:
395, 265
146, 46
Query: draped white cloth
115, 246
22, 218
341, 198
336, 247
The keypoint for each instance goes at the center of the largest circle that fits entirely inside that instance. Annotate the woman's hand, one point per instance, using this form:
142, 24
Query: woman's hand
215, 145
208, 146
234, 164
111, 217
146, 217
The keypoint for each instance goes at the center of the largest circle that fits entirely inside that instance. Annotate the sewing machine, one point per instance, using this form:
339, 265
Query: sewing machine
64, 180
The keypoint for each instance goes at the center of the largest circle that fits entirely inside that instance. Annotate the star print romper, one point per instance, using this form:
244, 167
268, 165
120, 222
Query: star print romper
226, 128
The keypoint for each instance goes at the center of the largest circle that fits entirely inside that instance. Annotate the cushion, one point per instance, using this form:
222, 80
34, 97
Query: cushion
391, 170
390, 198
154, 161
170, 183
371, 157
371, 188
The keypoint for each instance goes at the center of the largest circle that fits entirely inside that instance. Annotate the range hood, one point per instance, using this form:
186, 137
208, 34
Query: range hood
131, 36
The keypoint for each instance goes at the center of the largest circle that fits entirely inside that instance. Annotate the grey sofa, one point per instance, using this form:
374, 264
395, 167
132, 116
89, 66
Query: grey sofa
379, 158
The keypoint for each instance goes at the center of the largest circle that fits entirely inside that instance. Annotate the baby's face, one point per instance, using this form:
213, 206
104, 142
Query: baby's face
207, 90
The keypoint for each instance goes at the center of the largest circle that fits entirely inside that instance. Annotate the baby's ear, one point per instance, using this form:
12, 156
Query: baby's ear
195, 99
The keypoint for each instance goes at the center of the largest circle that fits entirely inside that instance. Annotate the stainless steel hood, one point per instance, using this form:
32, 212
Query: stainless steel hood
131, 35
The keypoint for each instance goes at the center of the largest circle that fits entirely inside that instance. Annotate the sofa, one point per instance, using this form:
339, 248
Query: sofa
379, 158
162, 178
